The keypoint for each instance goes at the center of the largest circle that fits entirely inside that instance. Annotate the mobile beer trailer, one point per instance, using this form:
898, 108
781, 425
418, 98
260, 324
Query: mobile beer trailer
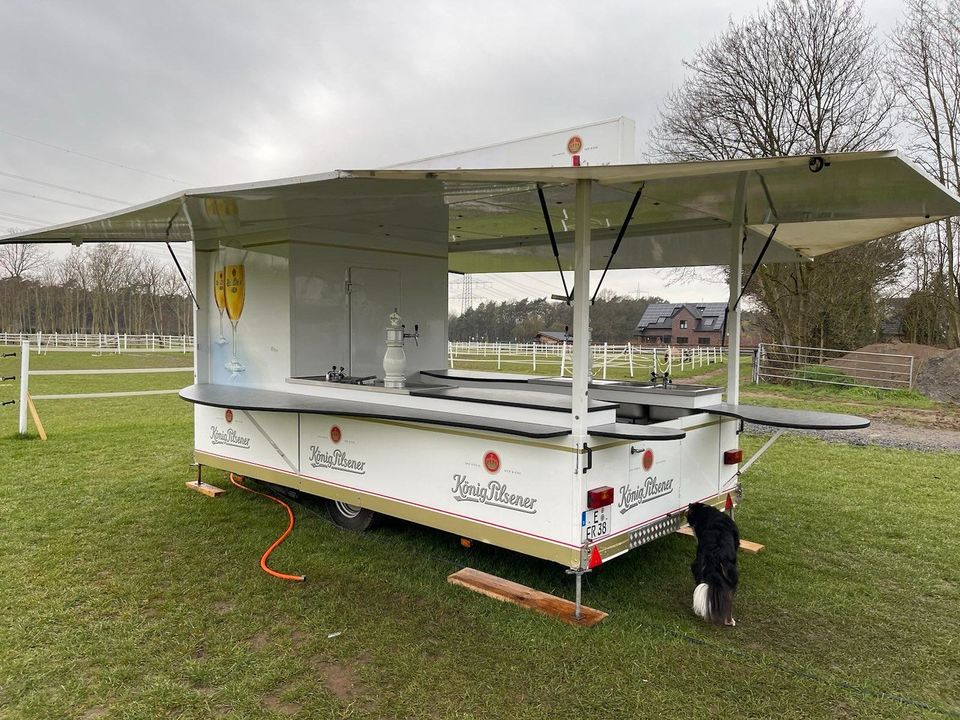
315, 272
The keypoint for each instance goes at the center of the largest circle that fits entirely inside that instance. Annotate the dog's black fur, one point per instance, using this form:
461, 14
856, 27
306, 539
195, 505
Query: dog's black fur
716, 564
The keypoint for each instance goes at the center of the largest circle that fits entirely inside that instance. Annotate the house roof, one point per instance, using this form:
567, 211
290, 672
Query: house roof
659, 316
557, 335
491, 220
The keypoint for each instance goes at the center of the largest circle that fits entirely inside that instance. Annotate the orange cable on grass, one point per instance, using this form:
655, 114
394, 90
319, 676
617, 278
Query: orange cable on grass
263, 560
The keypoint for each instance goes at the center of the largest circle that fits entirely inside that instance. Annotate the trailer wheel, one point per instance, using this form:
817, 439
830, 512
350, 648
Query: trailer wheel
351, 517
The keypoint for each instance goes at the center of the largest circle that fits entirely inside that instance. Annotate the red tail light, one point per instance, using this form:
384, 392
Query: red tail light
599, 497
728, 503
733, 457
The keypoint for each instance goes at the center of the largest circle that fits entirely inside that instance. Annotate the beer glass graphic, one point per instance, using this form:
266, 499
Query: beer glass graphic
219, 293
234, 290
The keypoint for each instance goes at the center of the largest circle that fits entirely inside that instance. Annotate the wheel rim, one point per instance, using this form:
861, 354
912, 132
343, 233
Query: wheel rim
350, 511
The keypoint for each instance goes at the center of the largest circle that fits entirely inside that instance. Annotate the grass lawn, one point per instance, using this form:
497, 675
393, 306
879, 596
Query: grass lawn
124, 595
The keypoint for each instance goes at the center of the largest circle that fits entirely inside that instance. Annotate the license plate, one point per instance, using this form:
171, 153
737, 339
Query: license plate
595, 523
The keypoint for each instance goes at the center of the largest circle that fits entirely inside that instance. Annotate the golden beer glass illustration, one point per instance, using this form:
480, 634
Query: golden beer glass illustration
234, 289
220, 294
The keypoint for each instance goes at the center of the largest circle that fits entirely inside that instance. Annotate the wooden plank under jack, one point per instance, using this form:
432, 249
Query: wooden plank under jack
205, 488
511, 592
202, 487
745, 545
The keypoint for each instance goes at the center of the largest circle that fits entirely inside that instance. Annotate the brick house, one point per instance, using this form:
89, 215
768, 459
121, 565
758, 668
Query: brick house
553, 337
682, 324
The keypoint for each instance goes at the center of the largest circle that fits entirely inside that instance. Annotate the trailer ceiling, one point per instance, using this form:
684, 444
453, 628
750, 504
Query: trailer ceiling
491, 220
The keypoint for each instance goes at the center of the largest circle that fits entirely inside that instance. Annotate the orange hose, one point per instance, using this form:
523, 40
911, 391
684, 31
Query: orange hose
263, 560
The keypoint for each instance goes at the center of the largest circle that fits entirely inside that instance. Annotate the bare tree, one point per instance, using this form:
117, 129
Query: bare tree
926, 72
18, 261
801, 76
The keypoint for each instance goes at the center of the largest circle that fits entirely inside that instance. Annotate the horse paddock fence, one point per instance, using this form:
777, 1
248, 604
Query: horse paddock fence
100, 342
632, 360
846, 368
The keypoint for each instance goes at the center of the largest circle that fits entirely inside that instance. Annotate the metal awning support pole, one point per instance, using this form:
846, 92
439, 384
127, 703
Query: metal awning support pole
581, 311
736, 278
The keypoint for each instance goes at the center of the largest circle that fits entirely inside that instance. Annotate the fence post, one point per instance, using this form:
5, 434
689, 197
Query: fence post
910, 381
498, 354
604, 361
449, 354
630, 357
24, 378
534, 357
563, 359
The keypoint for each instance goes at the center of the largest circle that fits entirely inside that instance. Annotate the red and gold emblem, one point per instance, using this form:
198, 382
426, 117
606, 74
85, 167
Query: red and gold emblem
647, 459
335, 434
491, 461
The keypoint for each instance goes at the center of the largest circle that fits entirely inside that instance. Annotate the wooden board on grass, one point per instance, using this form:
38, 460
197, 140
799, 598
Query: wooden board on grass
745, 545
511, 592
205, 488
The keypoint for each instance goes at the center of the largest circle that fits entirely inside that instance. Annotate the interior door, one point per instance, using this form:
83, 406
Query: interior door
374, 293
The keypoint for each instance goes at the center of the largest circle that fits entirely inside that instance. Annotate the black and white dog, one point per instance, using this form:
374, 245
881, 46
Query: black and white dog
715, 569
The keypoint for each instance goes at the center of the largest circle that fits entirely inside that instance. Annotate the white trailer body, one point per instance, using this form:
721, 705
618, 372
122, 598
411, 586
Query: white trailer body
572, 471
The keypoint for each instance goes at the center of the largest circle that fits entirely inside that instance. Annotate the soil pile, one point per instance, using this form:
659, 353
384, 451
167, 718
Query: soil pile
939, 379
890, 372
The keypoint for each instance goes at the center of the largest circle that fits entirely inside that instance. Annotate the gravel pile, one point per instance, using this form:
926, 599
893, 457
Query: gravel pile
939, 379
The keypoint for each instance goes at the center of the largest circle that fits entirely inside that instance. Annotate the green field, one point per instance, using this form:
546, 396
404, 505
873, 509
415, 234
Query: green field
124, 595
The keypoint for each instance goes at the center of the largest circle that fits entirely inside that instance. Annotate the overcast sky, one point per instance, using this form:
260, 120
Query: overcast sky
186, 94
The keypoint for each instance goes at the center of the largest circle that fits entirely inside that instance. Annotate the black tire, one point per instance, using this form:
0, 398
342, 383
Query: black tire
351, 517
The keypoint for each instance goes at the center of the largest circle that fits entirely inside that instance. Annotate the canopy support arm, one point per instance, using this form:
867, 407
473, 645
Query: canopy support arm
176, 262
553, 240
616, 245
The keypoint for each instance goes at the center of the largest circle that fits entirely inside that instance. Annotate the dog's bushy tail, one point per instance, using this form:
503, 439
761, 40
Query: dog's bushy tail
701, 600
714, 603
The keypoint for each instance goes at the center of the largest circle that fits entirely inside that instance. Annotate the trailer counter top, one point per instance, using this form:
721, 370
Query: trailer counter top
783, 417
240, 398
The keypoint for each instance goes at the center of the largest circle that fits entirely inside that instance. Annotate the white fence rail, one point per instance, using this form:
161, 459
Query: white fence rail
634, 360
101, 342
847, 368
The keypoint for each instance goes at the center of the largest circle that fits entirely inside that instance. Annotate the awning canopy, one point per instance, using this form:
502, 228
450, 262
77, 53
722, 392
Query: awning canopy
491, 220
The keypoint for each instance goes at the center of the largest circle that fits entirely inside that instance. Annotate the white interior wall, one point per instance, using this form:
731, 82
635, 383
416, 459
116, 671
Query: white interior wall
319, 321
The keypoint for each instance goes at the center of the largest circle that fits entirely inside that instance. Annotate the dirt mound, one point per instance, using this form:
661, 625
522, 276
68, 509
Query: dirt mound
891, 372
921, 353
939, 379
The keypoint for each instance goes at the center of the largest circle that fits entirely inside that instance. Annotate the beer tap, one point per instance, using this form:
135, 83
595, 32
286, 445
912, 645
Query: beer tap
664, 377
415, 334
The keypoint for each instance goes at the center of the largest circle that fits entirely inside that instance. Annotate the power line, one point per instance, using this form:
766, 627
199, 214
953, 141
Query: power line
62, 187
91, 157
53, 200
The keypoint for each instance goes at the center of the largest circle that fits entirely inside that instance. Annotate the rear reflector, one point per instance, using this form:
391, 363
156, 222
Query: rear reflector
599, 497
733, 457
728, 503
